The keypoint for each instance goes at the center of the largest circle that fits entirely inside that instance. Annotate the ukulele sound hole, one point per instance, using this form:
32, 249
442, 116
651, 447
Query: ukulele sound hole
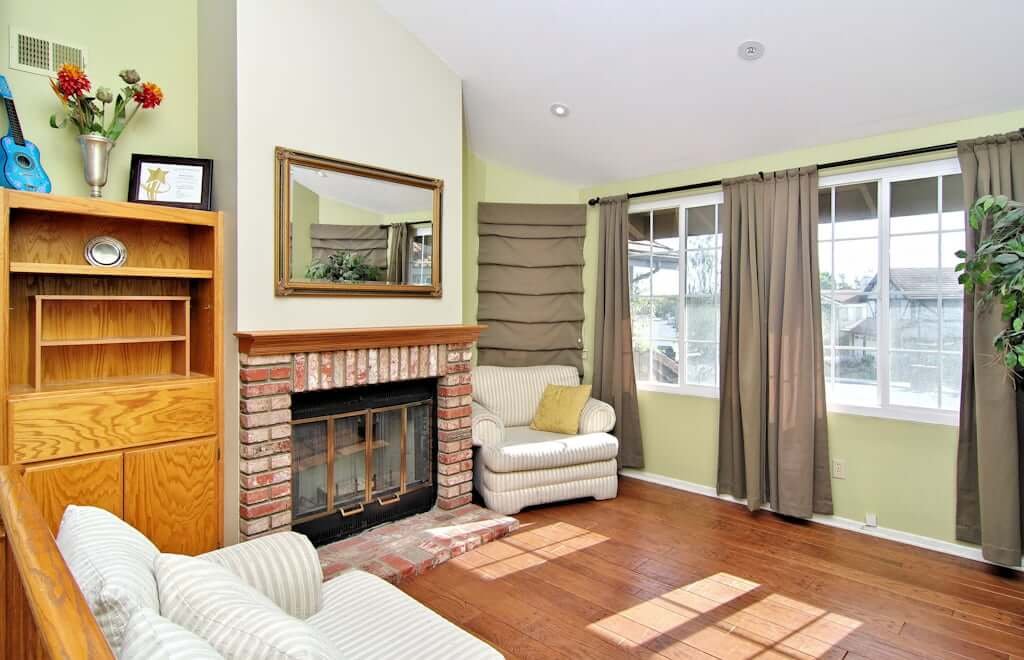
23, 161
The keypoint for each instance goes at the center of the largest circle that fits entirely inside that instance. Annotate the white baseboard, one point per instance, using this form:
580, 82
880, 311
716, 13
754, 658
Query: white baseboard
926, 542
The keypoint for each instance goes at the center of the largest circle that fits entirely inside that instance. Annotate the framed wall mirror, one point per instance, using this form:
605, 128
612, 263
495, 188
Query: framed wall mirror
345, 229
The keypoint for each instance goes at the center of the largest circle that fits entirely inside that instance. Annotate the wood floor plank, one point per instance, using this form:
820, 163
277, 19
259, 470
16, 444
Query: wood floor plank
659, 573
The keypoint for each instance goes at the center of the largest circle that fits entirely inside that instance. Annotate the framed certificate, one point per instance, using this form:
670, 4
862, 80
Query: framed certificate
171, 181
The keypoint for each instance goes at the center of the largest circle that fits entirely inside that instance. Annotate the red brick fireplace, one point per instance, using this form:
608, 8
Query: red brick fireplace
274, 364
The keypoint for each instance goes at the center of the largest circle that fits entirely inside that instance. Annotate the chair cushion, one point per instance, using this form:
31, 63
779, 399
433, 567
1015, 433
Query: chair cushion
366, 617
149, 636
500, 482
112, 563
513, 393
560, 408
526, 449
238, 621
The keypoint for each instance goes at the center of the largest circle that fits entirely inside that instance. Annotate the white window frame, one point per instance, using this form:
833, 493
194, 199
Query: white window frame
886, 176
681, 204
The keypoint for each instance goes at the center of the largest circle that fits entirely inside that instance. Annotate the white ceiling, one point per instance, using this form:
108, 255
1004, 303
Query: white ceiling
656, 85
373, 195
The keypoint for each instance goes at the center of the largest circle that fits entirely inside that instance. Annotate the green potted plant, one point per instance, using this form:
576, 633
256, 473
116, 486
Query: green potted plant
343, 267
996, 271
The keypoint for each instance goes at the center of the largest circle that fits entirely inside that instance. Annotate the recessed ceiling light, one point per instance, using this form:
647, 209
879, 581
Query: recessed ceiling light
751, 50
322, 173
559, 110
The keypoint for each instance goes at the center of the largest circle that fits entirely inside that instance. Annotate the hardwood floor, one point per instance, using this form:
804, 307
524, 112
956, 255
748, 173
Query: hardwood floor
659, 573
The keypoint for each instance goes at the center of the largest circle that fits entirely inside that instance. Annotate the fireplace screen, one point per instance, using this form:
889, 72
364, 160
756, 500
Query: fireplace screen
349, 462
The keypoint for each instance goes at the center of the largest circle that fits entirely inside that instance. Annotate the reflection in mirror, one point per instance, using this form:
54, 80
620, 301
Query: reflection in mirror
352, 229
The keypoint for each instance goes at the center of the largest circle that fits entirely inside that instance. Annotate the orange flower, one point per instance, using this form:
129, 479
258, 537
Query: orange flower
149, 95
72, 81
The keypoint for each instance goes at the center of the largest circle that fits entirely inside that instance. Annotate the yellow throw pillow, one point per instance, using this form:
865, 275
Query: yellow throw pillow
560, 409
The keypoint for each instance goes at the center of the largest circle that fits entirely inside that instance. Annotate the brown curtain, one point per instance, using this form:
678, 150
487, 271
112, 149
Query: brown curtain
990, 459
614, 378
773, 436
530, 284
368, 241
398, 251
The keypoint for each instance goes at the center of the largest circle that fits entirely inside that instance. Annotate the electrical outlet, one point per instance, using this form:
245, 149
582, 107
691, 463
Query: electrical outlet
871, 519
838, 468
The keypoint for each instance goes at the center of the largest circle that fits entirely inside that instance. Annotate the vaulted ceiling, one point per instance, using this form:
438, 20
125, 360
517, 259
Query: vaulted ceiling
657, 85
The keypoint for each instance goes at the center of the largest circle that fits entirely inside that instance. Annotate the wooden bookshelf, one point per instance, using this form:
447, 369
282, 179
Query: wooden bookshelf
115, 372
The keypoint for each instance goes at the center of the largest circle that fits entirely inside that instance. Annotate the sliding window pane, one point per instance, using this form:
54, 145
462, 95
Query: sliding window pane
914, 206
700, 227
665, 276
702, 363
914, 379
914, 288
825, 214
665, 362
642, 359
952, 324
856, 377
856, 212
665, 317
953, 201
855, 292
951, 366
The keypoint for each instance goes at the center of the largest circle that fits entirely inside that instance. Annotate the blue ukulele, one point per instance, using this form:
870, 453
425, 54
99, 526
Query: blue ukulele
19, 159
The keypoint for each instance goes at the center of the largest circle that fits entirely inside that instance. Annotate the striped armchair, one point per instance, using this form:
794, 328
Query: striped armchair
515, 466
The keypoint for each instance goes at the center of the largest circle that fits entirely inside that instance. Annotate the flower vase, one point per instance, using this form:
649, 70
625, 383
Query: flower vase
95, 161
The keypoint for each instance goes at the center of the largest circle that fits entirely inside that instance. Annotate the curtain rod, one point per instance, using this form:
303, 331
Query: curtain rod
821, 166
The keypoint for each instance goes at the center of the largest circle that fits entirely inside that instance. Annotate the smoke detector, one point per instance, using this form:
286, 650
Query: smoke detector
750, 50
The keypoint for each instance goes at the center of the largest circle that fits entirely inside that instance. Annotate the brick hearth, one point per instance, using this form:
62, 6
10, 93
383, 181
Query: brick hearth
267, 382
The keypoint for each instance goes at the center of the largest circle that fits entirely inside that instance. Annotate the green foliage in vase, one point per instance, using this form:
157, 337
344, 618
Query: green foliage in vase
996, 272
343, 267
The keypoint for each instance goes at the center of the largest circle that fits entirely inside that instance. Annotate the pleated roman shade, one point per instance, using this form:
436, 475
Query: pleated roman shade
530, 284
368, 241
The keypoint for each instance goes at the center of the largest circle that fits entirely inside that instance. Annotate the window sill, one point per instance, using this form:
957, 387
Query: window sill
916, 415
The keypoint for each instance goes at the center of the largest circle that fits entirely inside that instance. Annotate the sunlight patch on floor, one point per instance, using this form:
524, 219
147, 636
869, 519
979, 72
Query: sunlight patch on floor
527, 549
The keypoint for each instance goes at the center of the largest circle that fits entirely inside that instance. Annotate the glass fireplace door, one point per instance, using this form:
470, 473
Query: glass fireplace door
349, 476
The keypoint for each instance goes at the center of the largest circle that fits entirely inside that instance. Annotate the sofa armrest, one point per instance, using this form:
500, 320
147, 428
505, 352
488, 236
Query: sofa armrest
284, 567
597, 417
488, 429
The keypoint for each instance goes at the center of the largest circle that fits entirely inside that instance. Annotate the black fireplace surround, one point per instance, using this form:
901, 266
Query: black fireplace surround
362, 456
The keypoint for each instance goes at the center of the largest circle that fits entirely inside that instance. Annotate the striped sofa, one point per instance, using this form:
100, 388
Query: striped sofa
515, 466
264, 598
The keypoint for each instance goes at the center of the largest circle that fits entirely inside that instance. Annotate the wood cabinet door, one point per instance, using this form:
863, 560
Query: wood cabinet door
172, 495
94, 481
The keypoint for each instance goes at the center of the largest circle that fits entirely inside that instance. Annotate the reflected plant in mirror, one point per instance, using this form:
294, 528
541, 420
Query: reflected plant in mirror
349, 229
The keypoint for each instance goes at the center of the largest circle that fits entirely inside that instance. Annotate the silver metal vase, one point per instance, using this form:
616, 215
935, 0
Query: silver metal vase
95, 161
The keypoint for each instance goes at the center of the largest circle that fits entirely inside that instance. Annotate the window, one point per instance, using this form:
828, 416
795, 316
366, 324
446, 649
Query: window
890, 303
676, 247
419, 254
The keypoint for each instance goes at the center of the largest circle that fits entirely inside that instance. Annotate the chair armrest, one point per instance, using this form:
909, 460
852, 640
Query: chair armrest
488, 429
597, 417
284, 567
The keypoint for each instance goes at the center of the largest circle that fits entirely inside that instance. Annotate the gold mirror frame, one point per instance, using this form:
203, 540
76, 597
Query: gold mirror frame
286, 286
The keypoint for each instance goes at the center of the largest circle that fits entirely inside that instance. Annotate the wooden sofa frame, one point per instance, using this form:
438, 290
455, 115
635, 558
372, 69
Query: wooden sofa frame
43, 614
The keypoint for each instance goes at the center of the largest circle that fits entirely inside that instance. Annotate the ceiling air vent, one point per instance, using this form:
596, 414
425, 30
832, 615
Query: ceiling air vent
36, 54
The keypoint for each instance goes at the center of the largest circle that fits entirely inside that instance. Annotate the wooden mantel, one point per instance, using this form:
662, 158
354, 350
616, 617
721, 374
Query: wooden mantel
280, 342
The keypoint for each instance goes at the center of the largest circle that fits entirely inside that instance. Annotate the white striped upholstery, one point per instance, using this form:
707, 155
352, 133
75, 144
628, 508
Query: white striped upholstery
238, 621
513, 393
597, 417
487, 427
283, 567
149, 636
509, 481
511, 502
112, 564
526, 449
367, 618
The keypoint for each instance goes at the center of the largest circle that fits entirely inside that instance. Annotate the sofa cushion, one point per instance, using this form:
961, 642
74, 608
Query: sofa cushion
149, 636
112, 563
284, 567
526, 449
499, 482
237, 621
560, 408
513, 393
366, 617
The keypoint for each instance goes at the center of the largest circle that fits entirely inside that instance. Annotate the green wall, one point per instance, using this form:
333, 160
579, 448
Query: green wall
157, 39
305, 212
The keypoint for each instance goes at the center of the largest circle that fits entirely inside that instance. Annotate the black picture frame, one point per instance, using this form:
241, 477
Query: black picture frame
206, 201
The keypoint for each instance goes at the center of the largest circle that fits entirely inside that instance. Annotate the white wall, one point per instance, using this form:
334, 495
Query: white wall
345, 80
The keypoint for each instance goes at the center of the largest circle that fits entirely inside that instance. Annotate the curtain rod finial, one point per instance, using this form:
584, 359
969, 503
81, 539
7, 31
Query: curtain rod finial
593, 201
